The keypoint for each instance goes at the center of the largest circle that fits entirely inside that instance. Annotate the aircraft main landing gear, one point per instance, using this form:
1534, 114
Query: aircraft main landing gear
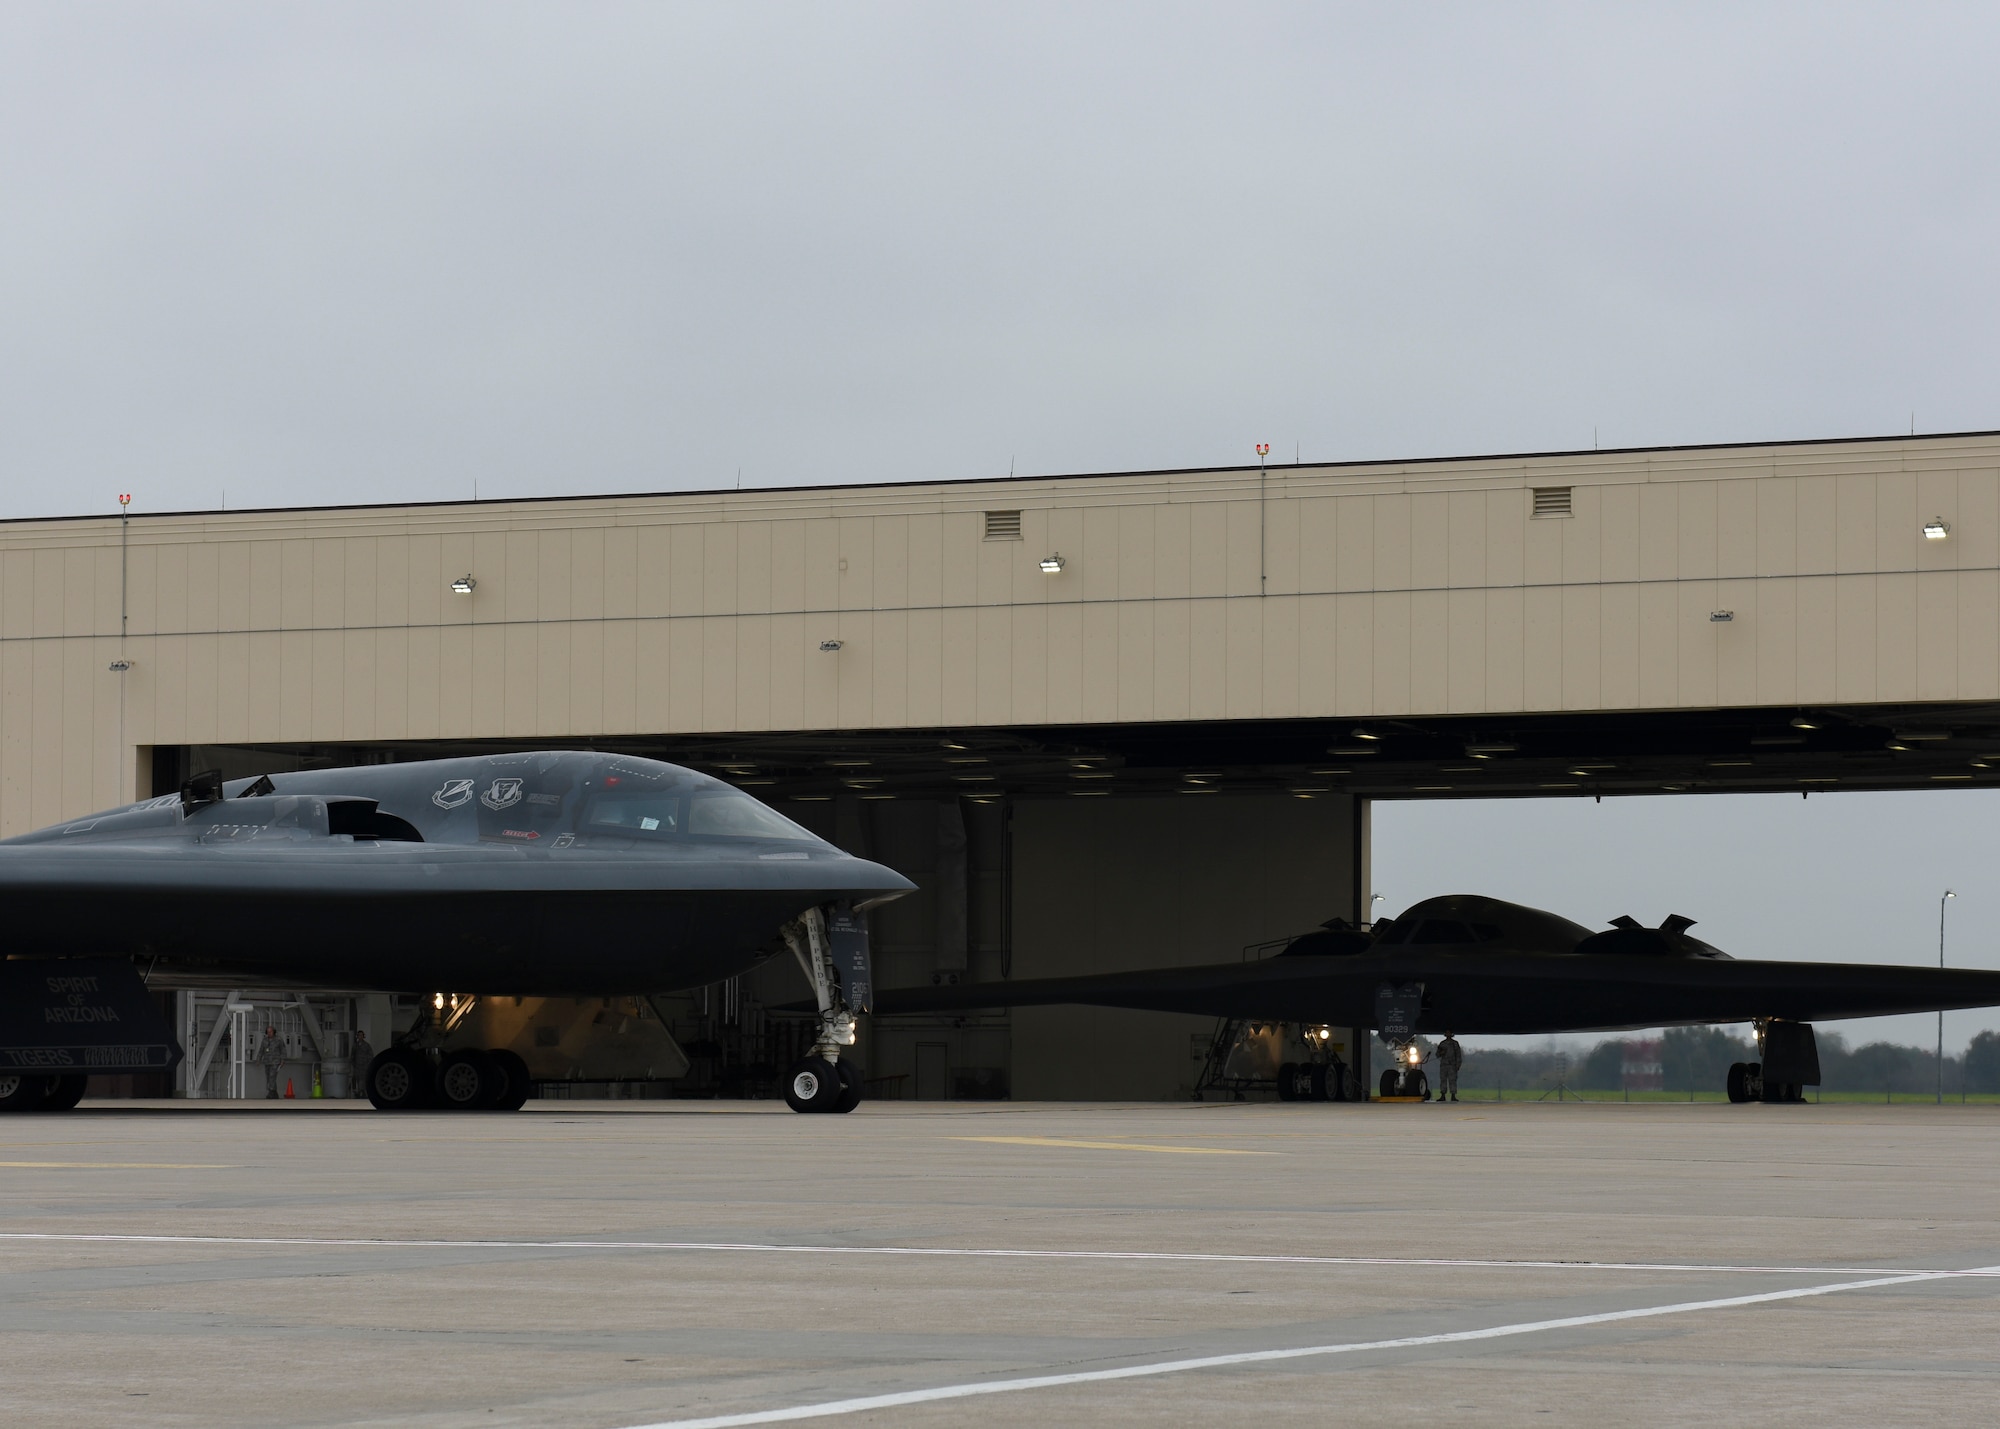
470, 1079
1313, 1081
1747, 1084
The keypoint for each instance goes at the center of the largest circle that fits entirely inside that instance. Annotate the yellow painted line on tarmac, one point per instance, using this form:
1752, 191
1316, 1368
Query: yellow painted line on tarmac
118, 1165
1114, 1146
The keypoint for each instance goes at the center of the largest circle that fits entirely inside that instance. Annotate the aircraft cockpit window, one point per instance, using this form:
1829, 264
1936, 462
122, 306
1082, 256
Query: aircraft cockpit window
1388, 933
1488, 932
636, 811
1436, 931
724, 813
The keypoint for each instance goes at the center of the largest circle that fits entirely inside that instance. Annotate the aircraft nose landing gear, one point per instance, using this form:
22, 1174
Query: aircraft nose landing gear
822, 1080
1405, 1080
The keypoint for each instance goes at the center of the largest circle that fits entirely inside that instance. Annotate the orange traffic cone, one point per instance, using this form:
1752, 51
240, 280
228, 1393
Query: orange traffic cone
290, 1095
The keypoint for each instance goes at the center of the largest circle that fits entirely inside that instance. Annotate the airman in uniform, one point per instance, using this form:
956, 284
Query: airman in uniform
1450, 1057
272, 1055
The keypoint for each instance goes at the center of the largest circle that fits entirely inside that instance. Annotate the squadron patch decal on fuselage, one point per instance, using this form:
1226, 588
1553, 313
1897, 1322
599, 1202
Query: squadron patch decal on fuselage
454, 793
504, 794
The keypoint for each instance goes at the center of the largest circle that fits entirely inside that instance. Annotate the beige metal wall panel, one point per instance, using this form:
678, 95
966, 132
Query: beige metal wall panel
1978, 626
1581, 623
1697, 637
1936, 635
1506, 651
1542, 648
1776, 514
1389, 691
1737, 644
1354, 654
1430, 650
1776, 677
1388, 589
1736, 511
1617, 636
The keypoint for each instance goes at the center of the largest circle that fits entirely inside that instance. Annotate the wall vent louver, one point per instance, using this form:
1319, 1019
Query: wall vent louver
1003, 525
1552, 500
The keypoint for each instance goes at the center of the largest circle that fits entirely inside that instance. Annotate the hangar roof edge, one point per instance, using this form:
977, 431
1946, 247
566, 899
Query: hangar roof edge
1358, 464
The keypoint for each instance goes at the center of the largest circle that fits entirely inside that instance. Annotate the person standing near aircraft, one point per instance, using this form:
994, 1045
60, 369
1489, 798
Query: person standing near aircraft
272, 1055
363, 1055
1450, 1057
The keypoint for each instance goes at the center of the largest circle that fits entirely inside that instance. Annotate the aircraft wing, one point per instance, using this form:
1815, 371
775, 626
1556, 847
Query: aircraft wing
1494, 993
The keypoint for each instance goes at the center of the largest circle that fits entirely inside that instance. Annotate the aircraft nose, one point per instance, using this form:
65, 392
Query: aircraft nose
877, 878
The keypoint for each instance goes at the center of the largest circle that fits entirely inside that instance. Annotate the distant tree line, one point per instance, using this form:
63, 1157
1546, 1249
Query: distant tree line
1698, 1058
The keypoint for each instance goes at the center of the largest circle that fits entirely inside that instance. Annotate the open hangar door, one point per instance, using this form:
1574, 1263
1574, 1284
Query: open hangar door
1054, 851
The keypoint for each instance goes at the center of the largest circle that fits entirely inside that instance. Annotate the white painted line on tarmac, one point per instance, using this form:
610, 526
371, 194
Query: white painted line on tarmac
973, 1253
829, 1408
953, 1251
121, 1165
1113, 1145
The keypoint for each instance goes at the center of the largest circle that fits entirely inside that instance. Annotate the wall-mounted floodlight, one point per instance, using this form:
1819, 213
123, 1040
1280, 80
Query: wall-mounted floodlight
1053, 564
1487, 751
1804, 722
1360, 733
119, 667
1721, 617
1937, 530
831, 645
463, 585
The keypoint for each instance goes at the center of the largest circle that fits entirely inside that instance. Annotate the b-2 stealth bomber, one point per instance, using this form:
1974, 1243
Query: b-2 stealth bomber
1473, 965
544, 874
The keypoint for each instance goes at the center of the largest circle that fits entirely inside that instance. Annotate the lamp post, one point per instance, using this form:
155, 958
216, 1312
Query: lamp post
1948, 894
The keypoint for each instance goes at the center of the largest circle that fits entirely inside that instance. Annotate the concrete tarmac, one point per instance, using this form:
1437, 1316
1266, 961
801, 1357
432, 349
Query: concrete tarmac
613, 1264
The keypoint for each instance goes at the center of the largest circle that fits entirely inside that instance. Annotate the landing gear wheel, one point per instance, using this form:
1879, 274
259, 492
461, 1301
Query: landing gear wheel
400, 1079
850, 1086
1315, 1084
1420, 1085
812, 1085
1735, 1083
470, 1080
1390, 1083
22, 1093
64, 1092
519, 1084
1288, 1076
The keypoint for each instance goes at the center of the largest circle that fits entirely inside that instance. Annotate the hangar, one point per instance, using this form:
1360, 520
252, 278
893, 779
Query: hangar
1104, 721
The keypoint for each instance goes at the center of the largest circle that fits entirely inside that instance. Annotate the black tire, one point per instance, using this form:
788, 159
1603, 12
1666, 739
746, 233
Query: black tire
470, 1080
1315, 1084
850, 1086
812, 1085
64, 1092
1421, 1085
1288, 1090
1336, 1081
400, 1079
19, 1092
520, 1086
1735, 1083
1389, 1087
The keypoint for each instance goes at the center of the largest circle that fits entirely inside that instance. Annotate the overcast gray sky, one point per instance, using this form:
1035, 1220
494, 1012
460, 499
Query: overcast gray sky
313, 253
